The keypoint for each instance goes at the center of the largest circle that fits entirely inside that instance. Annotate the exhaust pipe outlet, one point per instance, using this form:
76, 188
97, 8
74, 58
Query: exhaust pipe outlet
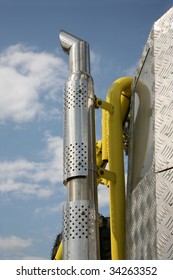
78, 51
80, 220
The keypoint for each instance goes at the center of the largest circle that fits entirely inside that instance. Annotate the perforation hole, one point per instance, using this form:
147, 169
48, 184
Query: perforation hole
76, 223
75, 158
75, 96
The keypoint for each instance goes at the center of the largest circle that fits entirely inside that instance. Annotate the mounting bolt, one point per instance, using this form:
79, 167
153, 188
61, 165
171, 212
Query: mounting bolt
101, 172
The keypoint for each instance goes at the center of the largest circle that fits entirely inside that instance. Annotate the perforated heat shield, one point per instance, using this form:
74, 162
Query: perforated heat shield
75, 132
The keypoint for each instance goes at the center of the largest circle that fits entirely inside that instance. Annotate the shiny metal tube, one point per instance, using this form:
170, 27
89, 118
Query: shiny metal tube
67, 40
78, 51
80, 228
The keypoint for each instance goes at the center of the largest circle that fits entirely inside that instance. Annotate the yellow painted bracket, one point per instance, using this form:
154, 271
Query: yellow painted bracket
99, 160
99, 103
106, 174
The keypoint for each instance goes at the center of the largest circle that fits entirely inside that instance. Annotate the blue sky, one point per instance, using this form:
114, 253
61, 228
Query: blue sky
33, 70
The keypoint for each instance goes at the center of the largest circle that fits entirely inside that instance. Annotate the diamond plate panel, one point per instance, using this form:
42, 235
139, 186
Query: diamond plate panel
163, 57
150, 186
141, 220
164, 219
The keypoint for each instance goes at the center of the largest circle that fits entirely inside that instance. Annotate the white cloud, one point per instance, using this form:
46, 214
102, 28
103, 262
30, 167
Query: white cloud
51, 114
26, 76
103, 196
28, 178
28, 79
14, 243
22, 189
48, 210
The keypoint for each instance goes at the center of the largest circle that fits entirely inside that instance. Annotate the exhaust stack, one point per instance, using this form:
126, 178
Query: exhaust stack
80, 221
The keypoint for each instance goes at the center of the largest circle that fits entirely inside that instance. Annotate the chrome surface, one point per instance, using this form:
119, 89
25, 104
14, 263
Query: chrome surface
78, 51
79, 231
80, 172
75, 129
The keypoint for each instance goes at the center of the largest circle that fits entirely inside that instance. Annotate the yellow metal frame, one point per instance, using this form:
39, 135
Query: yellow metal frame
112, 150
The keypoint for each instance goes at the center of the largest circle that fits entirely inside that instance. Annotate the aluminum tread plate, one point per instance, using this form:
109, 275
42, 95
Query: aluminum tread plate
150, 200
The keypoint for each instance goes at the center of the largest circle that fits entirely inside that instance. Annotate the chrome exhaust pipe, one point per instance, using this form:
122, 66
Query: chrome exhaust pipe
80, 221
78, 51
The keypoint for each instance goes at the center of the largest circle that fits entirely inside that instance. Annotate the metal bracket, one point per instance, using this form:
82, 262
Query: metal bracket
106, 174
99, 103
